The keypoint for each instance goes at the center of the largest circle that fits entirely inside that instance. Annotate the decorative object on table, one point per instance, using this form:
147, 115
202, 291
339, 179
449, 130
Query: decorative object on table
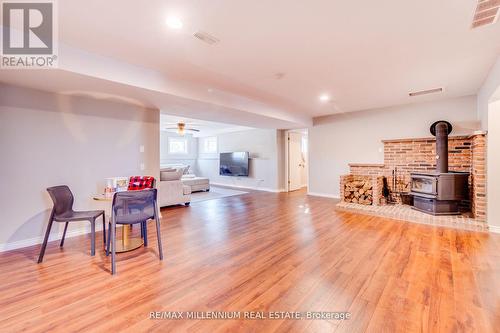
133, 207
63, 212
115, 184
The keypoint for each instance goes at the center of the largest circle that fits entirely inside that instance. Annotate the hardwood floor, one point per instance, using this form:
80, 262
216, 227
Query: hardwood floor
263, 252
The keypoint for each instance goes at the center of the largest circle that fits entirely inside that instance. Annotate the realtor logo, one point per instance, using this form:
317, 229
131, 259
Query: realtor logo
29, 34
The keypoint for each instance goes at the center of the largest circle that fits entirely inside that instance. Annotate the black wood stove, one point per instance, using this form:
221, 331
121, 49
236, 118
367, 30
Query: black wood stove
440, 192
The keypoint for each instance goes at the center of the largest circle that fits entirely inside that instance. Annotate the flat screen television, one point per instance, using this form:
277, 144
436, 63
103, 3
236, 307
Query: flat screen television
234, 164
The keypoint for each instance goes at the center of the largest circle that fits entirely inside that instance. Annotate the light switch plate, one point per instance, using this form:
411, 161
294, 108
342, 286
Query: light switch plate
141, 149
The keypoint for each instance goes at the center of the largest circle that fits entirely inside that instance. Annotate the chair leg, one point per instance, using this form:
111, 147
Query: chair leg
113, 248
160, 251
46, 239
64, 234
144, 227
104, 228
92, 238
108, 241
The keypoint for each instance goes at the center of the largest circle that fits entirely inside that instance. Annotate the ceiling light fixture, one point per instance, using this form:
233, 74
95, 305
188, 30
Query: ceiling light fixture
174, 22
181, 127
425, 92
324, 98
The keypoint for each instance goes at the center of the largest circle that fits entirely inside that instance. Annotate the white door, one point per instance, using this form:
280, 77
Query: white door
294, 161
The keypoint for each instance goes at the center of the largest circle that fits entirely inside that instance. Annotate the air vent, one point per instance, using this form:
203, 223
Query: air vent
279, 75
425, 92
205, 37
486, 13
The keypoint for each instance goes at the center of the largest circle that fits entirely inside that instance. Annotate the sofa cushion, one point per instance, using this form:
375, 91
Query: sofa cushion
186, 168
170, 175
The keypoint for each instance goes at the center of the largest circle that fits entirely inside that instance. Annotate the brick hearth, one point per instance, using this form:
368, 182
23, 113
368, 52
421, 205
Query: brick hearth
405, 213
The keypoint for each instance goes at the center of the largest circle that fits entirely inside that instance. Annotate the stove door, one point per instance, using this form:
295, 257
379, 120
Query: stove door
424, 184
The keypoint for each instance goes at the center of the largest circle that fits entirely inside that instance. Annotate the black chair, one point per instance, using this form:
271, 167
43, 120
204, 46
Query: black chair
132, 207
138, 183
63, 212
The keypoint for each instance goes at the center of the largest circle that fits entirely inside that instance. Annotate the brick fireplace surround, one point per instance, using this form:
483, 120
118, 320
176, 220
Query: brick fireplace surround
466, 153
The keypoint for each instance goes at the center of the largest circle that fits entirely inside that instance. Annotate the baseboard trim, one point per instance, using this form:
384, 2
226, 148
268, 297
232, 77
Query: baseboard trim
249, 187
53, 237
494, 228
323, 195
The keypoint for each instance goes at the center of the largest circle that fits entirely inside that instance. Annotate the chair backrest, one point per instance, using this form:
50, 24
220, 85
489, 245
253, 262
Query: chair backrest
134, 206
141, 182
62, 198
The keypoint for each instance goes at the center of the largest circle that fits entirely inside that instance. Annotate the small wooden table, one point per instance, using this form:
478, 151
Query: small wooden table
127, 243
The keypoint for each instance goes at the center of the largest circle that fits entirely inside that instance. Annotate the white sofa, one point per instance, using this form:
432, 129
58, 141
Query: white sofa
196, 184
171, 190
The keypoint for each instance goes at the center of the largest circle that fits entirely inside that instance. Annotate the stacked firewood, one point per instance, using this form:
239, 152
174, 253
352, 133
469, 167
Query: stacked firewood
359, 191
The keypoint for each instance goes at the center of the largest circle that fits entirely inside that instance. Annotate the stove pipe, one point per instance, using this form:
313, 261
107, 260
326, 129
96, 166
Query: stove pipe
441, 129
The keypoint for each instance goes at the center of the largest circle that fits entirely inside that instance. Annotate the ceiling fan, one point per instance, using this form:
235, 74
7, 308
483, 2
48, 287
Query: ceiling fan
181, 128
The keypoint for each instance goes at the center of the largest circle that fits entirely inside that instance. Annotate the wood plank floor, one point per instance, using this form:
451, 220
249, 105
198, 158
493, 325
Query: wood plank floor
263, 252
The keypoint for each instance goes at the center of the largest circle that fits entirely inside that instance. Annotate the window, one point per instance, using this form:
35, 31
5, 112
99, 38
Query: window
177, 145
209, 145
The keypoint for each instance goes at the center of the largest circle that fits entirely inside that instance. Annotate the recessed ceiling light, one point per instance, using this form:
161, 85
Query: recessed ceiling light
174, 22
324, 98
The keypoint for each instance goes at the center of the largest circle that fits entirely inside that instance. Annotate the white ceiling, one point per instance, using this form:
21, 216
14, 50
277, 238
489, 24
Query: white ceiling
206, 128
364, 54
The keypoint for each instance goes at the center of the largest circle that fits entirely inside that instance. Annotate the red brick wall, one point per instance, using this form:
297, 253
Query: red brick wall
479, 177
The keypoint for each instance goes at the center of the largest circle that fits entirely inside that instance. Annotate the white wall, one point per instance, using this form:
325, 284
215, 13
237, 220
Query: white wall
486, 92
262, 144
189, 159
493, 165
48, 139
337, 140
488, 103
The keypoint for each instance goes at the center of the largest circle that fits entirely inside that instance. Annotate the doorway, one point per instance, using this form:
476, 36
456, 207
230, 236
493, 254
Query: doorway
297, 159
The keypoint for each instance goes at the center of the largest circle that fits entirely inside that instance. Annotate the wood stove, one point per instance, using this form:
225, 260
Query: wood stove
440, 192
